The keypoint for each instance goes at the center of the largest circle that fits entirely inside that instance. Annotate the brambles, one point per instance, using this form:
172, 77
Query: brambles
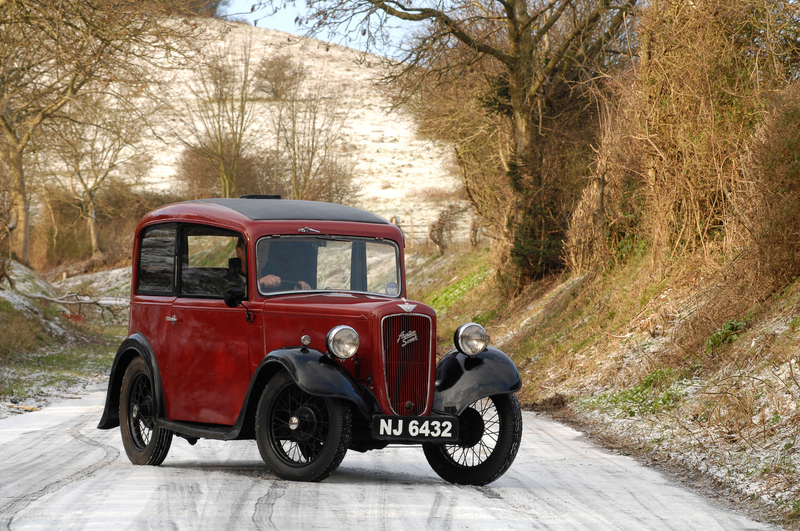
728, 333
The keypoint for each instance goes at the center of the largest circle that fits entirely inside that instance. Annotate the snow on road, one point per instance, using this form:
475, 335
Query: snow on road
58, 472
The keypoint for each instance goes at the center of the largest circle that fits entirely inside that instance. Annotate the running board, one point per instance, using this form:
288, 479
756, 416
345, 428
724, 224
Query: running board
197, 430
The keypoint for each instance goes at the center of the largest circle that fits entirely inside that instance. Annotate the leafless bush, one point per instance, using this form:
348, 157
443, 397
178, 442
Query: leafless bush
701, 103
437, 194
60, 237
441, 230
668, 168
277, 75
768, 205
337, 184
258, 172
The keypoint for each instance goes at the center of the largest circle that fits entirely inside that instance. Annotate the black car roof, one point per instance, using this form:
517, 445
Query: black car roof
279, 209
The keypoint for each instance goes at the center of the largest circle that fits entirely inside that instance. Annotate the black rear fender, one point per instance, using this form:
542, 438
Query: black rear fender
135, 345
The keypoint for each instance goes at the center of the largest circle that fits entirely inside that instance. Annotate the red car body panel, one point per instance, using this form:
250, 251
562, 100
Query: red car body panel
208, 355
208, 362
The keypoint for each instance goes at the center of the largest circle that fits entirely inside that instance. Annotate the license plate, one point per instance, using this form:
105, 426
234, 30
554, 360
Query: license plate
420, 429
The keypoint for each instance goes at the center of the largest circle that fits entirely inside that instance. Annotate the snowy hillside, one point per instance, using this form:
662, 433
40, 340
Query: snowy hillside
398, 171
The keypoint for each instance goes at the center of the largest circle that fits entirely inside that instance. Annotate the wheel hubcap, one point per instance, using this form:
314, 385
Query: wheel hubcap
305, 424
472, 427
299, 426
141, 424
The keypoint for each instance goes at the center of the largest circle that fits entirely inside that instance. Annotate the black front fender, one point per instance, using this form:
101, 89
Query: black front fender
317, 374
135, 345
461, 379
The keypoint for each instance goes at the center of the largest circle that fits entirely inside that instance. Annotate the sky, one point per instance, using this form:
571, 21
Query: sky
283, 20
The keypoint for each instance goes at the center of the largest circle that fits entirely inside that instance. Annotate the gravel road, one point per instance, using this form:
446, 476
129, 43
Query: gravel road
58, 472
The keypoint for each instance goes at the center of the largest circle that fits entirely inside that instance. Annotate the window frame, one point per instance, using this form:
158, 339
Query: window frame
331, 237
181, 250
142, 235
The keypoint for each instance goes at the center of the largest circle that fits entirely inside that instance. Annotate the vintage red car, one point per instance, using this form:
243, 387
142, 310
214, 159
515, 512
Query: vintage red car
287, 322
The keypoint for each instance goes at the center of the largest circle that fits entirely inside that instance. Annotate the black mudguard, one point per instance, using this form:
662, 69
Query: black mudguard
461, 379
318, 375
134, 345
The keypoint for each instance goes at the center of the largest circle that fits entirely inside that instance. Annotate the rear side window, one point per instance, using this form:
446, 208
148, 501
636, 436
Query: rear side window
157, 261
210, 262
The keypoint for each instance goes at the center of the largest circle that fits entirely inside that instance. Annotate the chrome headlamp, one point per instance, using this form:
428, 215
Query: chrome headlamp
342, 342
471, 339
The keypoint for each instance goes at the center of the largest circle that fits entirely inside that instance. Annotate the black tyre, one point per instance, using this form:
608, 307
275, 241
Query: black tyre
144, 442
301, 437
490, 432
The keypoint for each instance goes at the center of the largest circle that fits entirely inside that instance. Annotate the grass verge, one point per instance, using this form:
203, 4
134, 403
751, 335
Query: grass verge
36, 364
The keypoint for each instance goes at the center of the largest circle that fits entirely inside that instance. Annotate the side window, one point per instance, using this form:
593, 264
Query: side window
212, 260
157, 261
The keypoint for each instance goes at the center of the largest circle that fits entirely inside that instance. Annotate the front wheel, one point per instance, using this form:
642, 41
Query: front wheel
490, 433
144, 442
300, 436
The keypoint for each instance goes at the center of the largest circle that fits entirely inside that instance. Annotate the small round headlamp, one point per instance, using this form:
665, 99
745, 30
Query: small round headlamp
342, 342
471, 339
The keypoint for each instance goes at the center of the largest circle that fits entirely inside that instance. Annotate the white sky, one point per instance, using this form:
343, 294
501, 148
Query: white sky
283, 20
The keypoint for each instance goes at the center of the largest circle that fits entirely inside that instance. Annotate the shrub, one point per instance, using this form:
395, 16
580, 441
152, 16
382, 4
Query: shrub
61, 235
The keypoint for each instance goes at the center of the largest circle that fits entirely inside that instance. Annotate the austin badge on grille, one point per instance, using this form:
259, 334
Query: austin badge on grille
407, 337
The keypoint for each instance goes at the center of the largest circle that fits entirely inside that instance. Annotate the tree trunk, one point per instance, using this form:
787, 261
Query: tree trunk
92, 221
20, 209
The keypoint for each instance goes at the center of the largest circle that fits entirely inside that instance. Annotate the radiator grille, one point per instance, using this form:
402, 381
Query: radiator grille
406, 340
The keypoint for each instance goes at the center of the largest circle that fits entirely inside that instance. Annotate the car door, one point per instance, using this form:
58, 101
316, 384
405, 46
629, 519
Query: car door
209, 371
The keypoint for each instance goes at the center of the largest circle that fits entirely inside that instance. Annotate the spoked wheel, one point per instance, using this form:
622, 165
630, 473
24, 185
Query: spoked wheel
490, 433
144, 442
301, 437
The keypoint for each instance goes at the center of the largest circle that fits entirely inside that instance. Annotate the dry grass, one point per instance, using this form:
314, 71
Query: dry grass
703, 376
19, 333
440, 195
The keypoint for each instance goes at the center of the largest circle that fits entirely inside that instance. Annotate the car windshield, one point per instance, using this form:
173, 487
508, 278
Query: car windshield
328, 263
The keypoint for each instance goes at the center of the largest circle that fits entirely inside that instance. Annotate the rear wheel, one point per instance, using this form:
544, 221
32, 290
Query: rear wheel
490, 431
144, 442
301, 437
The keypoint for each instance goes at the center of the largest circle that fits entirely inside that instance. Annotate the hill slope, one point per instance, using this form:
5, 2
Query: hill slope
402, 175
613, 353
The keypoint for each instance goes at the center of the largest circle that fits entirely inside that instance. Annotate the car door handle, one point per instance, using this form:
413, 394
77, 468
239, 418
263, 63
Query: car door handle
172, 319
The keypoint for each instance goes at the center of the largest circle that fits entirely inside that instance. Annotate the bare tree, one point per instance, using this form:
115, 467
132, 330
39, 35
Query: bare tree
307, 124
482, 139
50, 50
217, 119
98, 140
541, 47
